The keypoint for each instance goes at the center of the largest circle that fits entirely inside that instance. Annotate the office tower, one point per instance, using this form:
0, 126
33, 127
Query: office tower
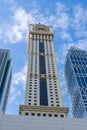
5, 77
76, 78
43, 95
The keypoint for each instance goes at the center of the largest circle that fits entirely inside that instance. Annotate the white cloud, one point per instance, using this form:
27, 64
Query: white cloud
80, 14
17, 27
81, 44
60, 7
13, 98
19, 79
81, 33
79, 20
20, 18
65, 35
61, 18
9, 1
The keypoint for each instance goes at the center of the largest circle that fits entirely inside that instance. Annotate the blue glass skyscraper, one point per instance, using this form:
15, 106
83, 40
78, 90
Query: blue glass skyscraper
76, 78
5, 77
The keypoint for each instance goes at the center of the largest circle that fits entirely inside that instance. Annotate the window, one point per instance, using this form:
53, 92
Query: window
26, 113
42, 36
44, 114
32, 37
38, 114
35, 103
33, 114
42, 67
61, 115
43, 92
50, 115
55, 115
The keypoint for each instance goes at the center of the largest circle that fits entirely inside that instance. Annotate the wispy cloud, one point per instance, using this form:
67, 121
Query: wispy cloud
19, 77
65, 35
18, 85
81, 44
80, 20
17, 27
9, 1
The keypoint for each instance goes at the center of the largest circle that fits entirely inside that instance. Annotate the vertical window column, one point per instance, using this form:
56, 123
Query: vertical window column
43, 81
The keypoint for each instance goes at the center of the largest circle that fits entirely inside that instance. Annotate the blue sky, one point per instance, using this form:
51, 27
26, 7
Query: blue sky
69, 21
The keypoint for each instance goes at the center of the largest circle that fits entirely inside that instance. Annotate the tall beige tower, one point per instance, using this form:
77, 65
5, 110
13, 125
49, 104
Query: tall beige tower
43, 95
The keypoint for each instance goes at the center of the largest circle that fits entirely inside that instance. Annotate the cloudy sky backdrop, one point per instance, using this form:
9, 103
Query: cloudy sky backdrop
69, 21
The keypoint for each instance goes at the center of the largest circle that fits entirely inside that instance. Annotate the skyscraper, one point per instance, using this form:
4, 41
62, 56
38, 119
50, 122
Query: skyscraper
43, 95
76, 78
5, 77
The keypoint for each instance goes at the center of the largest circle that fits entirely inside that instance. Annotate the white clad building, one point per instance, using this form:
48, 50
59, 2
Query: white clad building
43, 95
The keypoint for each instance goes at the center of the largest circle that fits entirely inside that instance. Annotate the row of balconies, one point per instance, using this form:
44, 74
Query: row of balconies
50, 37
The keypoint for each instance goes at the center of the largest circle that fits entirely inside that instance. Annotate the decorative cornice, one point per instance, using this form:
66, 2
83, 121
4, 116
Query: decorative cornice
43, 109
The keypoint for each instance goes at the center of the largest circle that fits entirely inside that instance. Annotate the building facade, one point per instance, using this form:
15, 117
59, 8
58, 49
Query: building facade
43, 95
15, 122
76, 78
5, 77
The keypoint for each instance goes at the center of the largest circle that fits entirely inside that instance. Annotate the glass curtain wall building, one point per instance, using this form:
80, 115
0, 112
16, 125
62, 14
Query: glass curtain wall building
76, 79
5, 77
42, 83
